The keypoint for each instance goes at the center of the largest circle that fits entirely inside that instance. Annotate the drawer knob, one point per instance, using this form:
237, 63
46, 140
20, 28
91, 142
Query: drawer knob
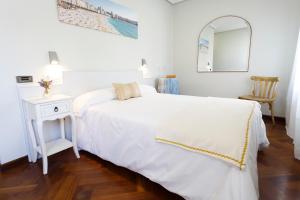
56, 109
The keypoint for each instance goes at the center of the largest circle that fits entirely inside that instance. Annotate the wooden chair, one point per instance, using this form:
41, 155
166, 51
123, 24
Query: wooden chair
264, 91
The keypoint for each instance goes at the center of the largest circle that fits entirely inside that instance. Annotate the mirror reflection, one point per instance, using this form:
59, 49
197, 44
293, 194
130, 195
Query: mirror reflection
224, 45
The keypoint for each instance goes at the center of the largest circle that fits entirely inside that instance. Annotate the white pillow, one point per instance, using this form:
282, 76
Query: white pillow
147, 90
82, 102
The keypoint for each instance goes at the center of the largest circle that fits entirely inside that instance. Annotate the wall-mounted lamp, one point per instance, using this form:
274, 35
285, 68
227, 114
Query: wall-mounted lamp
54, 71
144, 62
144, 69
53, 58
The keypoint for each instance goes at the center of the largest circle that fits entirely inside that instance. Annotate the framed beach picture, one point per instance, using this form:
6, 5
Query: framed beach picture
102, 15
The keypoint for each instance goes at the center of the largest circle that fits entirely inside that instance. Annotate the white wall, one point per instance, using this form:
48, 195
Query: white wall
275, 26
29, 29
231, 50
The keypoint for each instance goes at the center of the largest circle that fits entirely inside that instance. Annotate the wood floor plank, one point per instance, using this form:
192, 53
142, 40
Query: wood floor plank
127, 196
20, 188
67, 188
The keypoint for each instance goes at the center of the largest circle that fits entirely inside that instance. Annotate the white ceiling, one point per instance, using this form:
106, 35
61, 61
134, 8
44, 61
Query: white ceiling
175, 1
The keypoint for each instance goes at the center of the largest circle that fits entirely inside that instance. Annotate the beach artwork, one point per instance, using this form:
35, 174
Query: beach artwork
102, 15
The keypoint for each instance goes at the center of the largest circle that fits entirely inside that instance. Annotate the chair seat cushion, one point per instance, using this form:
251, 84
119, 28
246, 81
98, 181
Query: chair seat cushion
254, 98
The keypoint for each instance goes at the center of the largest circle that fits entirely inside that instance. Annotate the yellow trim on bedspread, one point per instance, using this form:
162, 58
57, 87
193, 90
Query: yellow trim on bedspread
239, 163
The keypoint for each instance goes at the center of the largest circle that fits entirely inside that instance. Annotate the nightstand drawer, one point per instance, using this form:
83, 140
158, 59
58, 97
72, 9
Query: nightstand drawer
55, 109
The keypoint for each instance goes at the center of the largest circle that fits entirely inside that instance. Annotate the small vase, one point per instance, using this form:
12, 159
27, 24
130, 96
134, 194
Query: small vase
47, 92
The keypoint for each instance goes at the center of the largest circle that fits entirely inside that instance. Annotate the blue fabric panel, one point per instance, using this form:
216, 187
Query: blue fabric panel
171, 86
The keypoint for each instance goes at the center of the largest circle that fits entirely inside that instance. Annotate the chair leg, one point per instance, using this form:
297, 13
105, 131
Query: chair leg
271, 106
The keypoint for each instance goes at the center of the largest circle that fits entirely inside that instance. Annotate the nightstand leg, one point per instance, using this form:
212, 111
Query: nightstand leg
45, 165
76, 152
74, 138
34, 156
32, 141
62, 128
42, 146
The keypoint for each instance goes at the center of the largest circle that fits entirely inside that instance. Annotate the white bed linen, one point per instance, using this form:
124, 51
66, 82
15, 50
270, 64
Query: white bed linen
123, 133
217, 127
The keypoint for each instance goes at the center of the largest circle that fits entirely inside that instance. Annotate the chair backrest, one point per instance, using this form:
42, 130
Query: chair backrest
264, 87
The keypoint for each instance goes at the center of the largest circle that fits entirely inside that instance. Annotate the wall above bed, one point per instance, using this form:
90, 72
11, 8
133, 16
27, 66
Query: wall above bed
275, 26
29, 29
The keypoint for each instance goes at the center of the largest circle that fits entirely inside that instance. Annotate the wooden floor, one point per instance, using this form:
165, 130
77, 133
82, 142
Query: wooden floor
93, 178
279, 172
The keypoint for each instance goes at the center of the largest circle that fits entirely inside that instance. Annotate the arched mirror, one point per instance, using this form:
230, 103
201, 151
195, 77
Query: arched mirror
224, 45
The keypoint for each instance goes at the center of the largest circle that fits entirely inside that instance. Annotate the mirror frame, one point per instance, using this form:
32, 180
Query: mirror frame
249, 45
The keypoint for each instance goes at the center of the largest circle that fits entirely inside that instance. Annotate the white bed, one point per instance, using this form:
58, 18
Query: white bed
124, 134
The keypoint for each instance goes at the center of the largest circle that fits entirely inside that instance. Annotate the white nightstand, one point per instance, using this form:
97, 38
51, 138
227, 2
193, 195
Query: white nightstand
39, 110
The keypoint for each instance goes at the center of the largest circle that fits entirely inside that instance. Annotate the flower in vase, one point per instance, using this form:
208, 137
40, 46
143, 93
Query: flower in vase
46, 85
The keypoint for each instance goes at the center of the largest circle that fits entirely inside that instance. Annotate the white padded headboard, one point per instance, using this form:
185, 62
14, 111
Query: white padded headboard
79, 82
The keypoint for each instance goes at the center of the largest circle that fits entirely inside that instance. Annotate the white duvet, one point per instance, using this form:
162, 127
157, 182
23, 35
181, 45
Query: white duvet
123, 132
